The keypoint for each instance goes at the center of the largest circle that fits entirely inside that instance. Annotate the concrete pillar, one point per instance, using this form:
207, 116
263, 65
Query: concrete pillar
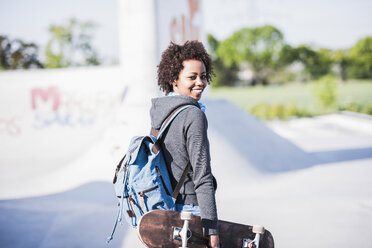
138, 48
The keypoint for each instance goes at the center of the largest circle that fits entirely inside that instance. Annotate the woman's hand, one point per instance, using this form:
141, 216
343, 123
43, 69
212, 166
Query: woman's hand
214, 241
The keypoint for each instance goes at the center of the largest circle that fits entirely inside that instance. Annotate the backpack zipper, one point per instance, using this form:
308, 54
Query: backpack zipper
142, 195
148, 190
162, 180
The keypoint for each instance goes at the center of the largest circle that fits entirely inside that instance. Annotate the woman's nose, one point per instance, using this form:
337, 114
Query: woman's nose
199, 81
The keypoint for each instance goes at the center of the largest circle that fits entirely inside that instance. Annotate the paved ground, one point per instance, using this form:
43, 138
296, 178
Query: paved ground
81, 217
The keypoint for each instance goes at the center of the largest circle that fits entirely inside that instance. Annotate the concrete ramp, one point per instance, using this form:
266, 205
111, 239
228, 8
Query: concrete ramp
50, 124
60, 143
269, 152
262, 148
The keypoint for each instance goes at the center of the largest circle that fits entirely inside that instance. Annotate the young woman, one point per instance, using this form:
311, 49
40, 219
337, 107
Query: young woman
183, 74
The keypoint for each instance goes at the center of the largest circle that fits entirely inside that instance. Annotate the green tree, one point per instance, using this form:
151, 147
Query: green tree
258, 48
17, 54
223, 75
287, 55
71, 45
316, 63
342, 59
361, 59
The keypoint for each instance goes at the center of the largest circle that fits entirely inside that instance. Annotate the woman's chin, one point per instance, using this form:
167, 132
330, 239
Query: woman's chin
197, 96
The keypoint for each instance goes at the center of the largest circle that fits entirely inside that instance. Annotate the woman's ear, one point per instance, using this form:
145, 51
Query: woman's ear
174, 85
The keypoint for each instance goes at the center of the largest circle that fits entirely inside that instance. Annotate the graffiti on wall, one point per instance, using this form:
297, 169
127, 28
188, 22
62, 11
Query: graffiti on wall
184, 28
52, 106
10, 126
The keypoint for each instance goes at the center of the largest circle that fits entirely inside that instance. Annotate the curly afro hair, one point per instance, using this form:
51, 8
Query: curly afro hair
172, 58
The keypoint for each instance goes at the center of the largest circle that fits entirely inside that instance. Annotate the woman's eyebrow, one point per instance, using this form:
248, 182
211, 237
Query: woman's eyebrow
194, 72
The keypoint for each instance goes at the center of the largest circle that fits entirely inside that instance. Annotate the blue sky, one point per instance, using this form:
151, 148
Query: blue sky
331, 24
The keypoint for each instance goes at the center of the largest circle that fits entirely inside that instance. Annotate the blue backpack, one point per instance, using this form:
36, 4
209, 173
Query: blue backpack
141, 179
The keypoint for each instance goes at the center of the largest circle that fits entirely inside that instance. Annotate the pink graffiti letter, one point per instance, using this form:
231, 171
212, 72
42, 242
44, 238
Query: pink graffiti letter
51, 92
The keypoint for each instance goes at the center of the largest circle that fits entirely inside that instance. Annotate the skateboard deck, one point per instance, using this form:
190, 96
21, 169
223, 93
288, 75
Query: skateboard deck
157, 229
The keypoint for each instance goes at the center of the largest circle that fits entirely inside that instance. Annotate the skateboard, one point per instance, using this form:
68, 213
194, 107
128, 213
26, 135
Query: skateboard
170, 229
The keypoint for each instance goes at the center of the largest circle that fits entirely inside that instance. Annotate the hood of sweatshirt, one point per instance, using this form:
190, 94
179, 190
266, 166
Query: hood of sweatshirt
162, 107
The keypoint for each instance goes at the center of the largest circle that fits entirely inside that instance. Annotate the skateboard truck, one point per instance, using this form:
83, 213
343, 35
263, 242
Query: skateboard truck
183, 234
248, 243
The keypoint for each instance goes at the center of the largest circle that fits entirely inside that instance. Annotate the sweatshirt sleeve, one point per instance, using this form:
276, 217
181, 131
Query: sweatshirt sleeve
197, 145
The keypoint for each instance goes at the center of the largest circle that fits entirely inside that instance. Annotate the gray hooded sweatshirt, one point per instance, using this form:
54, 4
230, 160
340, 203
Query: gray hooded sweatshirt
186, 140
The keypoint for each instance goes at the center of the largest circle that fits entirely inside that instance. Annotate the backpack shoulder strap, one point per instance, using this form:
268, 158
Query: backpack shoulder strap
159, 132
177, 189
170, 118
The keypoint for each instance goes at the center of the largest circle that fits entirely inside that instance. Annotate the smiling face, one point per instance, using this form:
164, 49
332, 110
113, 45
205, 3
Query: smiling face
192, 79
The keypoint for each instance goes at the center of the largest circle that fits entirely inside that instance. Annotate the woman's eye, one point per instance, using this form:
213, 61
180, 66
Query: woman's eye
193, 77
203, 77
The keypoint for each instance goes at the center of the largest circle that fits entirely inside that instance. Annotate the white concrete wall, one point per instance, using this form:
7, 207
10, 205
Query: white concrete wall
49, 115
48, 120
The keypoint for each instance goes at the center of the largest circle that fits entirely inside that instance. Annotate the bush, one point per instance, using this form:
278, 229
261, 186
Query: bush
367, 109
278, 111
351, 106
355, 107
325, 91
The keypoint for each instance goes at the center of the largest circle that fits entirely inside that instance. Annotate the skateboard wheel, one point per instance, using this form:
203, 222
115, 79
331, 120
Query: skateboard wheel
186, 215
258, 229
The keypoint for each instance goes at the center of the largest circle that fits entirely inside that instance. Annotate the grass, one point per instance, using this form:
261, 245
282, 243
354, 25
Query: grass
357, 91
294, 94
